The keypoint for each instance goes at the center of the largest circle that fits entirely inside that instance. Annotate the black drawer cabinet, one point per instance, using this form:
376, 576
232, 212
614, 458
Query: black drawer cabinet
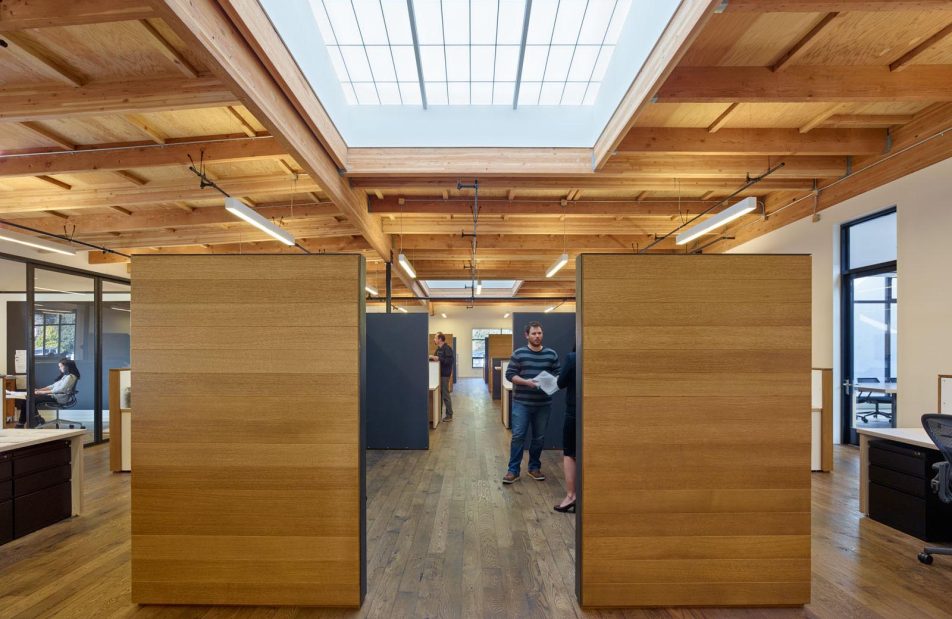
35, 488
900, 494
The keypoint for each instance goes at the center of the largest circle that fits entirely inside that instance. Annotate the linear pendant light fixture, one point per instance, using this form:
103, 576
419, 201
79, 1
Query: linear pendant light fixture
479, 286
405, 264
34, 242
240, 210
724, 217
371, 290
557, 265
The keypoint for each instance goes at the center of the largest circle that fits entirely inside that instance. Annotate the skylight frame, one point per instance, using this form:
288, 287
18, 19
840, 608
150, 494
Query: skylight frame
566, 83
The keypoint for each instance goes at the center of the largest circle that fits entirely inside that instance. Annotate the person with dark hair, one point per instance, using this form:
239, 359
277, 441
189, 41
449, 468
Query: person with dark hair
567, 381
530, 404
444, 354
59, 392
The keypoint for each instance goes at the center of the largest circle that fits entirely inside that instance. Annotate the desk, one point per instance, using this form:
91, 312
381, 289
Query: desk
15, 439
7, 405
908, 436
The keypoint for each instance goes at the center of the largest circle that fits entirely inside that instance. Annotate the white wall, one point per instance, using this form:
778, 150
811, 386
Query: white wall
924, 221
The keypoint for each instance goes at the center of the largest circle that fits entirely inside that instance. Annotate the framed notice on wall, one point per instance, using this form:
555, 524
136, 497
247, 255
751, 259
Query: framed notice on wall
945, 393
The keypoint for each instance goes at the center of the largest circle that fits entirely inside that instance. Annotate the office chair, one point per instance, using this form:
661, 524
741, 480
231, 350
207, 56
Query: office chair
867, 397
939, 429
56, 406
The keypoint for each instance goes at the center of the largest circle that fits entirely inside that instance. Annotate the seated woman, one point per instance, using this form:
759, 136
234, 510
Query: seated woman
58, 392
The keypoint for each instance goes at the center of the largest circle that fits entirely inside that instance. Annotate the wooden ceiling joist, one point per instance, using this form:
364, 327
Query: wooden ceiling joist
729, 166
106, 157
632, 184
47, 134
791, 55
866, 120
168, 51
722, 118
55, 182
480, 162
40, 60
658, 140
157, 94
242, 121
801, 84
143, 126
26, 14
920, 49
153, 193
130, 177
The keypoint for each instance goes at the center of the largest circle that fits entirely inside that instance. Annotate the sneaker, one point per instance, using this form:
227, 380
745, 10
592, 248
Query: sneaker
537, 475
509, 478
448, 418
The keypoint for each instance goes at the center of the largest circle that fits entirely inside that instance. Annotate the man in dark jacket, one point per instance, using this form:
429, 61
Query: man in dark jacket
444, 354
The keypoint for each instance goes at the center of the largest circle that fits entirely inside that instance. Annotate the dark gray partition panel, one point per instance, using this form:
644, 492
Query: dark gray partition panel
397, 381
559, 334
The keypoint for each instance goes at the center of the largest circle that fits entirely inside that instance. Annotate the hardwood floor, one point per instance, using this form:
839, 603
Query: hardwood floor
446, 539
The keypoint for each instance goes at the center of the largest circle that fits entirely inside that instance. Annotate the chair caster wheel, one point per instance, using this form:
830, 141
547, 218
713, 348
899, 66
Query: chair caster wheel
925, 558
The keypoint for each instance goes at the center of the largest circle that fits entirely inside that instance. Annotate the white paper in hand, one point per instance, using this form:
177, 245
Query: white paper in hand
547, 382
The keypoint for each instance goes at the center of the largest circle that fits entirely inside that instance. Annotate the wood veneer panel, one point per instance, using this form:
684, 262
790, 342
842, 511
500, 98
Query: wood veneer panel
498, 346
247, 464
695, 430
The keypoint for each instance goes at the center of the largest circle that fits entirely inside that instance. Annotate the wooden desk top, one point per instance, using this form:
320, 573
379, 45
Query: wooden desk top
11, 439
910, 436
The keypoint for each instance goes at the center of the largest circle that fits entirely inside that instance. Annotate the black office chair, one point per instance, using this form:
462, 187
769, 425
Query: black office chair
868, 397
56, 406
939, 429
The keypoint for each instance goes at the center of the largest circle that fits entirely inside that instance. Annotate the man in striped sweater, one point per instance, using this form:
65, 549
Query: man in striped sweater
530, 404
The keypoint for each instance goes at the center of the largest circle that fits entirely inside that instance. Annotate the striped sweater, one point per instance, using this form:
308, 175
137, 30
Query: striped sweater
527, 364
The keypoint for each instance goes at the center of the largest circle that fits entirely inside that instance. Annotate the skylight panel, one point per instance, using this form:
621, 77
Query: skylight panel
410, 93
471, 42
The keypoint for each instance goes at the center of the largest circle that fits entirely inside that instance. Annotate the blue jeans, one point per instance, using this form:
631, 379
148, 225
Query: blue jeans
522, 417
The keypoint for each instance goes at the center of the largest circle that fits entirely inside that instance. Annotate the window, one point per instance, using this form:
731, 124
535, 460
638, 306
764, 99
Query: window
479, 344
54, 333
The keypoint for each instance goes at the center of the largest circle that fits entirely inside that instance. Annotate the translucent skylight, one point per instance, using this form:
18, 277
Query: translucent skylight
470, 52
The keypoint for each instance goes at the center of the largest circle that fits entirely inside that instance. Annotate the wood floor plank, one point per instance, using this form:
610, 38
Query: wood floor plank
447, 539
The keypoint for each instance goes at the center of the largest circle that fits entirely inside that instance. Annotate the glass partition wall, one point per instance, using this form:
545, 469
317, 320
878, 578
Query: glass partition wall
870, 334
50, 314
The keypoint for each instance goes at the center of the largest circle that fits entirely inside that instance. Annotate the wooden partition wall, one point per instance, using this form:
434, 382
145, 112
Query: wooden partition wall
247, 482
695, 430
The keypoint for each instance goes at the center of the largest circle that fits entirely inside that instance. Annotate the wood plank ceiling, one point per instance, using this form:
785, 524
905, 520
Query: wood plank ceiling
103, 102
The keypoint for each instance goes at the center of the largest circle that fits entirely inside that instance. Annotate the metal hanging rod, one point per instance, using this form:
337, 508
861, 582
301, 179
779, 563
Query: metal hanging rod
751, 180
63, 237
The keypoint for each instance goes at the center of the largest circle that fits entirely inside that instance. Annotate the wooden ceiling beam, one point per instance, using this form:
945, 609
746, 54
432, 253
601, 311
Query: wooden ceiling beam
153, 193
826, 6
823, 116
865, 120
685, 25
41, 60
520, 241
922, 143
481, 162
203, 25
55, 182
143, 126
663, 141
130, 177
168, 51
906, 59
250, 19
634, 184
335, 244
127, 221
801, 84
237, 232
730, 166
26, 14
722, 118
113, 157
245, 125
797, 49
601, 225
492, 206
156, 94
47, 134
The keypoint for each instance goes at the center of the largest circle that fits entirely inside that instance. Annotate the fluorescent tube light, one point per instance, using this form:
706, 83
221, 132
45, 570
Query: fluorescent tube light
724, 217
35, 242
371, 290
479, 287
443, 315
550, 309
120, 309
561, 262
402, 309
506, 315
242, 211
402, 259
